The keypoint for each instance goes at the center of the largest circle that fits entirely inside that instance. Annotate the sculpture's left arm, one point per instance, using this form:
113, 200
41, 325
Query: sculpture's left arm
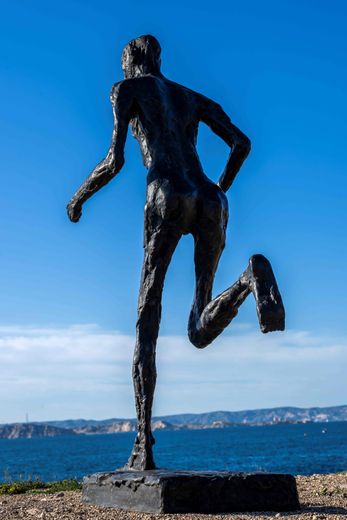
122, 102
214, 116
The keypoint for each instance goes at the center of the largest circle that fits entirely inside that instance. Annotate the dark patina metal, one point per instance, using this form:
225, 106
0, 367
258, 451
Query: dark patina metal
164, 491
164, 117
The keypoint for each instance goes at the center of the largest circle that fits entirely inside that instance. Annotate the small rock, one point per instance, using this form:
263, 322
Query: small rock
61, 494
33, 511
277, 515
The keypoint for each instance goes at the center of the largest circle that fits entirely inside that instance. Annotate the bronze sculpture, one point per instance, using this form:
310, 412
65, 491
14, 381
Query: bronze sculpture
164, 117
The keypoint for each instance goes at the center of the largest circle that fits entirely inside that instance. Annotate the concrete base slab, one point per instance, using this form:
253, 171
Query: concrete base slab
165, 491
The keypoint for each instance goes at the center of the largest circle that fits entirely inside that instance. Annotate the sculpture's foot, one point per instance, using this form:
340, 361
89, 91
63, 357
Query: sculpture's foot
141, 458
270, 310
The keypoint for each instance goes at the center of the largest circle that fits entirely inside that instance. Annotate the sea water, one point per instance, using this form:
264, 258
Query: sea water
291, 448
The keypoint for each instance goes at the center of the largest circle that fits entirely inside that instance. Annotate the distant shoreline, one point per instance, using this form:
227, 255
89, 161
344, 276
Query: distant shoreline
35, 431
208, 420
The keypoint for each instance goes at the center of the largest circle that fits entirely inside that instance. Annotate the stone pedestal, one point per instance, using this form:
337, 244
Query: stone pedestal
165, 491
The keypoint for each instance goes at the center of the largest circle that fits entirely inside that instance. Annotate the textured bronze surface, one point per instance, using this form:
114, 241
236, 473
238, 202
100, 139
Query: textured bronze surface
164, 117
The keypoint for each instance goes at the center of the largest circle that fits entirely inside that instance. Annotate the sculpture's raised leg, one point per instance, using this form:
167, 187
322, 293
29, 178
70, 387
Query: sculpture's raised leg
159, 248
208, 318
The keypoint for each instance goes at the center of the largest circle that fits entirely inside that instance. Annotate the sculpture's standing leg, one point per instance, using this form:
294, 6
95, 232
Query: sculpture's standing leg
160, 243
208, 318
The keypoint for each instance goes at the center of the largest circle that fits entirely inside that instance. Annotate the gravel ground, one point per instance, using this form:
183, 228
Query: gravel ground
321, 496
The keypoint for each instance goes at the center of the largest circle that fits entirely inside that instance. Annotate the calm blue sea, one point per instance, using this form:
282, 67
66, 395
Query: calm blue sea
297, 448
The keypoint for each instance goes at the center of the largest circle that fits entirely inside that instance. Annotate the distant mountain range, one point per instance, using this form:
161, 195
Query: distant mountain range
220, 419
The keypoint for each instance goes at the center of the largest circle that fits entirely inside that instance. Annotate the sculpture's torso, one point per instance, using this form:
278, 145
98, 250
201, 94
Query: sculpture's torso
165, 124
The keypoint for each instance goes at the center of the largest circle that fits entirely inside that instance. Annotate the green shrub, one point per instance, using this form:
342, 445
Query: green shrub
18, 487
63, 485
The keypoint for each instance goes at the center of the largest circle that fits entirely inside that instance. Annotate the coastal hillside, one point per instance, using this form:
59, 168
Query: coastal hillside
252, 417
29, 430
219, 419
265, 416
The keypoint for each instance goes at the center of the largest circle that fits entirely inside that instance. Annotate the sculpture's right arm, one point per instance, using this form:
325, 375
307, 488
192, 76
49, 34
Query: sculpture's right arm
122, 102
214, 116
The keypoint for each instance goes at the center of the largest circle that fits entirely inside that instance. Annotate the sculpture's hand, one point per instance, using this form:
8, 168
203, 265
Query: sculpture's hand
101, 175
238, 154
74, 210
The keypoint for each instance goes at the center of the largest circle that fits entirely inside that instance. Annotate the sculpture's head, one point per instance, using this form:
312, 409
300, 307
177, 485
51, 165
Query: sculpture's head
141, 56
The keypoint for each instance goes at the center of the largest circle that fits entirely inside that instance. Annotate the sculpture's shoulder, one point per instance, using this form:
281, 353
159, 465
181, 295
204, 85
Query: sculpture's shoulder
150, 85
200, 100
206, 102
182, 89
194, 98
133, 86
122, 88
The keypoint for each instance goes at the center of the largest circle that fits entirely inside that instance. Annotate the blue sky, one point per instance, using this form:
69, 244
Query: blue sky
278, 69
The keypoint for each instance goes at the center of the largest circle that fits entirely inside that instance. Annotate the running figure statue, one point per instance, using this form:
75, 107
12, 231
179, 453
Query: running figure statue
164, 117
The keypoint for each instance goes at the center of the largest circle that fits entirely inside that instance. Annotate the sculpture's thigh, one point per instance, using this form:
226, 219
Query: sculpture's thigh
210, 235
160, 240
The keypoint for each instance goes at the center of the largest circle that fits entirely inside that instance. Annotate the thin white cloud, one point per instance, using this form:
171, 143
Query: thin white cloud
81, 370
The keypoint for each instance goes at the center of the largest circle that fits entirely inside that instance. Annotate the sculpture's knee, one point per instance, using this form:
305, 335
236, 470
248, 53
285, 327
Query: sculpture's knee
197, 334
197, 339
